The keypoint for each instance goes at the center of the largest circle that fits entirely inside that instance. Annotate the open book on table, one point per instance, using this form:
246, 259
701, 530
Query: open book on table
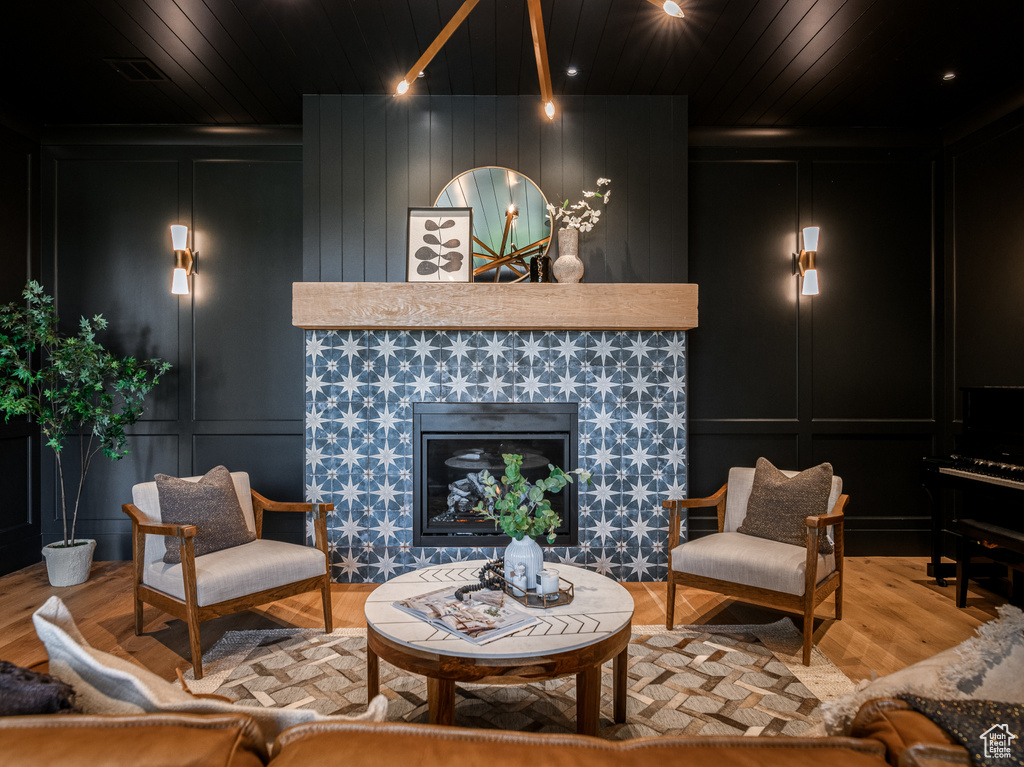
482, 618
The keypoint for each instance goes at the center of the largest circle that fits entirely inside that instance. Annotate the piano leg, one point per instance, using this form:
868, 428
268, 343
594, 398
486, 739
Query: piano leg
936, 535
963, 567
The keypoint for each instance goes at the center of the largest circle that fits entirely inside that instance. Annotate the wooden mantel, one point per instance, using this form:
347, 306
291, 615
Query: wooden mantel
489, 306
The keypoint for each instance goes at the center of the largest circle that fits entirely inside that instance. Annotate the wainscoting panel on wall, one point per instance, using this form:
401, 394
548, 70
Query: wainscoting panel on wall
630, 391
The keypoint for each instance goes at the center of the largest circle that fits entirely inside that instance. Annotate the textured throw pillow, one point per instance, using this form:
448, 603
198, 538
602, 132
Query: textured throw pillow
24, 692
779, 504
106, 684
211, 504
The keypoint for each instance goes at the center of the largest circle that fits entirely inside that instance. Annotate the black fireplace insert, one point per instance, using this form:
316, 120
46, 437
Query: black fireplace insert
455, 442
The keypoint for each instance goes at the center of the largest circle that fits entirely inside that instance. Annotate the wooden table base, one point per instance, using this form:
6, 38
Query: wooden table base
441, 691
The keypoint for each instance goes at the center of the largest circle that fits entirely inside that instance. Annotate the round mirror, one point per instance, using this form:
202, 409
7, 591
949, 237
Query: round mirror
510, 221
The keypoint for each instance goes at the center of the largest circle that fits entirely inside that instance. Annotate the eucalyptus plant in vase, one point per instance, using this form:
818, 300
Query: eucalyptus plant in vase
70, 385
522, 510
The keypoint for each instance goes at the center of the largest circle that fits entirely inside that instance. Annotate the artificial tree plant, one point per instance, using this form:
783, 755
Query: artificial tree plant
69, 384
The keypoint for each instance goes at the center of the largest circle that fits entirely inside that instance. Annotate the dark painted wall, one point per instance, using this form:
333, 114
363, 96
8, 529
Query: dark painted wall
369, 158
235, 393
19, 261
845, 376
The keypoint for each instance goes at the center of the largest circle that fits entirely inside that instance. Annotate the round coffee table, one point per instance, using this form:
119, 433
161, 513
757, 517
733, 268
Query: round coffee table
576, 638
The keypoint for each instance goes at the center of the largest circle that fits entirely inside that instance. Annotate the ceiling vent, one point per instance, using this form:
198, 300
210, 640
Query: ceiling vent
138, 70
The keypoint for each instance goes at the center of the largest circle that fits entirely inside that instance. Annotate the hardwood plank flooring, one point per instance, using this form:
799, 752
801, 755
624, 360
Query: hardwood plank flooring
894, 616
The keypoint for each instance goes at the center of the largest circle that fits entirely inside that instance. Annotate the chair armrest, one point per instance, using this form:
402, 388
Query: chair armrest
675, 507
697, 503
140, 523
261, 503
834, 517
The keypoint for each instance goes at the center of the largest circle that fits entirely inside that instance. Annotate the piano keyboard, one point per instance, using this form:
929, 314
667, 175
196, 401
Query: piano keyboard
979, 477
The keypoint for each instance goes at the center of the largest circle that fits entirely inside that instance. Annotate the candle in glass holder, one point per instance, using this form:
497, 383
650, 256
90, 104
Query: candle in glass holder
547, 583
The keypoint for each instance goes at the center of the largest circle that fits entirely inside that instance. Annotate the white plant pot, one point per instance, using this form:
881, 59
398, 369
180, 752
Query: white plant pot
69, 566
528, 552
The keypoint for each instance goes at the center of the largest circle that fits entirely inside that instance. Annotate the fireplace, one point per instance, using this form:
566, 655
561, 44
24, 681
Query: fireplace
455, 443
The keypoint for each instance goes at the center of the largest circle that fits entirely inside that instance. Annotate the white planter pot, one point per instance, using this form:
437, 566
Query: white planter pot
528, 552
69, 566
568, 267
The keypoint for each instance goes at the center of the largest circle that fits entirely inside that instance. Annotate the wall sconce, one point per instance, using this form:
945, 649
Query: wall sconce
184, 260
805, 261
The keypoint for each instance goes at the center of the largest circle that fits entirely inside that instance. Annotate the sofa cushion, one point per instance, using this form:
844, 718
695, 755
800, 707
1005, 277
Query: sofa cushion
901, 729
154, 740
211, 504
372, 745
779, 504
752, 561
230, 573
988, 666
106, 684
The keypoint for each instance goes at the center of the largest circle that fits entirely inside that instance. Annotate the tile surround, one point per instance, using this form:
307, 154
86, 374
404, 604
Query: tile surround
360, 385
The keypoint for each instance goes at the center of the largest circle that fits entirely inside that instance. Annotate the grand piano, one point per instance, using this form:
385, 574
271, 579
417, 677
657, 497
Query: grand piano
987, 467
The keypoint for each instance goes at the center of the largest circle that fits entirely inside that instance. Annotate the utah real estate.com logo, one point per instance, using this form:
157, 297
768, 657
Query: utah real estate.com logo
997, 740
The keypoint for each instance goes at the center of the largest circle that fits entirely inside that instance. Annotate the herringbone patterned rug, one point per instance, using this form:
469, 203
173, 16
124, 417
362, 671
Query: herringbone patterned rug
713, 680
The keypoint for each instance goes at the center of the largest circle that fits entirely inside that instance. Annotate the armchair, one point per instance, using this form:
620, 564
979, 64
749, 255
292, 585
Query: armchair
752, 569
225, 581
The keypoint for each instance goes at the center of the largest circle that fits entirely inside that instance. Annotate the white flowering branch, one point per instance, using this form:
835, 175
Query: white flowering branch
581, 216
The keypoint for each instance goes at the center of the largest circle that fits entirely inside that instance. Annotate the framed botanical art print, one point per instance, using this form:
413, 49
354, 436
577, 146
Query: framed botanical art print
440, 245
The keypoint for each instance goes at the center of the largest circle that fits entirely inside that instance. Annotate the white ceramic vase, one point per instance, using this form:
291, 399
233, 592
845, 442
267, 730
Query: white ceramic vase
568, 267
527, 552
69, 566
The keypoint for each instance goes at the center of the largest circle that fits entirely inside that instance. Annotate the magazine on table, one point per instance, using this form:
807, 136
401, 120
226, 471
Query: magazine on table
482, 618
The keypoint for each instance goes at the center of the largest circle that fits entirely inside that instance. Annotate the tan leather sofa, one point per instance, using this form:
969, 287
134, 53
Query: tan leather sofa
885, 732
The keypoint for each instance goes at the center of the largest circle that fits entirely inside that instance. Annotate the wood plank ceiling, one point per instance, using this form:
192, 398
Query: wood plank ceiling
741, 62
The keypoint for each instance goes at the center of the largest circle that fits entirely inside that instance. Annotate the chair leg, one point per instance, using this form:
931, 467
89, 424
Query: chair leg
325, 592
839, 600
194, 643
808, 630
670, 607
138, 616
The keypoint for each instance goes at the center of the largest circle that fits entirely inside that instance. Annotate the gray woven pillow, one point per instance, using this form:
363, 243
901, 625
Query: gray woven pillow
779, 504
211, 504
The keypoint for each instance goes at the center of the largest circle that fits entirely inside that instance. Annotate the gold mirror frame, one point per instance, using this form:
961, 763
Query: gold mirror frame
510, 219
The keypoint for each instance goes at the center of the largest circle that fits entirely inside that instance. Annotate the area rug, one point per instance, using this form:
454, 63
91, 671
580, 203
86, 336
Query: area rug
712, 680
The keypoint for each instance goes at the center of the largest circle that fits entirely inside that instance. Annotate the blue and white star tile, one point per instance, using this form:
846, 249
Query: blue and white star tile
602, 348
351, 349
672, 345
385, 419
454, 554
390, 456
350, 420
424, 384
673, 387
348, 492
604, 384
456, 385
495, 348
600, 454
423, 349
637, 419
604, 493
529, 386
383, 564
351, 456
599, 418
640, 565
350, 528
604, 560
349, 566
566, 385
496, 385
388, 492
352, 385
386, 529
637, 349
387, 384
566, 347
384, 348
601, 528
423, 556
455, 347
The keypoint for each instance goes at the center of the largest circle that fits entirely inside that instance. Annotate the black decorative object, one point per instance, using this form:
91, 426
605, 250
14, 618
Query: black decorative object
491, 578
540, 269
24, 692
440, 245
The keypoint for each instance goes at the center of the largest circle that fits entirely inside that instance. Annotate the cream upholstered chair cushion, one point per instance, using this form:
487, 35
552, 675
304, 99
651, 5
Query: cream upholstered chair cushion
751, 561
238, 571
228, 573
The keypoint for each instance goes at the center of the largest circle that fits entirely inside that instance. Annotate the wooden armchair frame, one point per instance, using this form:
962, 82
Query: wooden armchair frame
814, 593
189, 610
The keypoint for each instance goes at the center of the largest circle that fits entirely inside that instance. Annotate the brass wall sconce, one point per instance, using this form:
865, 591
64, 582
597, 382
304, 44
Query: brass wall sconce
184, 260
805, 261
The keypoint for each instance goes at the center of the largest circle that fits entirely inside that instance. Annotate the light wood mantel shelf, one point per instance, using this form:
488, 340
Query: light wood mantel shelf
489, 306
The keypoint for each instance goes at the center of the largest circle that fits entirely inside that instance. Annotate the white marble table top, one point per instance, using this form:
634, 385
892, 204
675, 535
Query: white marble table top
600, 608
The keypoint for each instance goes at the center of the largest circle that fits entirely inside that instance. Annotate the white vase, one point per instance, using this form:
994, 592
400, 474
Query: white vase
527, 552
568, 267
69, 566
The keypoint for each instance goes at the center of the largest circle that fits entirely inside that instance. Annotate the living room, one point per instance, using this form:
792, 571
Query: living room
275, 137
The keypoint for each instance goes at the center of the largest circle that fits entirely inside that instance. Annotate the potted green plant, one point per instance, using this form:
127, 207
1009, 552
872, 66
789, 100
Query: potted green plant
69, 384
522, 510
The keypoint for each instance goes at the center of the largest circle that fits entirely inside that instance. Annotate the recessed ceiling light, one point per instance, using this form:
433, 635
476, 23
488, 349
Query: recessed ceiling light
949, 76
422, 74
572, 71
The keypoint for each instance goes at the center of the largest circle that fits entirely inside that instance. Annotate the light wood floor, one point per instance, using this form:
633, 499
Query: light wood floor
894, 616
